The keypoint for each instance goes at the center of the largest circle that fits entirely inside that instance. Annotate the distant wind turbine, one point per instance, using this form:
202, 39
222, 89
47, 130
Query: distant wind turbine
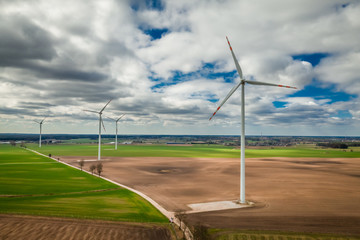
40, 123
116, 122
242, 83
100, 123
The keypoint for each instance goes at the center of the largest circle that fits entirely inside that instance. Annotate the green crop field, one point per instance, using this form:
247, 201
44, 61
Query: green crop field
209, 151
36, 185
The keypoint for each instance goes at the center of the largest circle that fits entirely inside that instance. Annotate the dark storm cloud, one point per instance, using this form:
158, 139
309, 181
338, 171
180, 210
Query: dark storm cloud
86, 91
34, 105
304, 114
20, 112
14, 111
176, 111
59, 73
23, 44
110, 49
22, 40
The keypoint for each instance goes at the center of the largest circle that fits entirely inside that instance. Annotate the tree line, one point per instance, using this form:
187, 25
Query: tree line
333, 145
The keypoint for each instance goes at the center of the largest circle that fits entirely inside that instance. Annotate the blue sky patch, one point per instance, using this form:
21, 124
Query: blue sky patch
313, 58
160, 85
279, 104
147, 4
315, 91
344, 114
156, 33
207, 71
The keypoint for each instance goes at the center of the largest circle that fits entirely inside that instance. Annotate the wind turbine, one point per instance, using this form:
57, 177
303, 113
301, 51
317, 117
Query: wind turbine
242, 140
116, 122
100, 123
40, 123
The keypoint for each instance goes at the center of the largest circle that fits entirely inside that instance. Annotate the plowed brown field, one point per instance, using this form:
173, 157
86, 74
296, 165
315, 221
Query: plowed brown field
37, 228
291, 194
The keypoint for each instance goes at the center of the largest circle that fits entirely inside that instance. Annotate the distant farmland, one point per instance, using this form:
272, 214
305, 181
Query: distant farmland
200, 150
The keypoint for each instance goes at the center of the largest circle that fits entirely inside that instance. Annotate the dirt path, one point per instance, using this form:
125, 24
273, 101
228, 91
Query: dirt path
13, 227
292, 194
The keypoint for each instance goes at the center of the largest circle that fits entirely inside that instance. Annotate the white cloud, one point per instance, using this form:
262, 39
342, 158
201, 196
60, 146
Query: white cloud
96, 50
341, 70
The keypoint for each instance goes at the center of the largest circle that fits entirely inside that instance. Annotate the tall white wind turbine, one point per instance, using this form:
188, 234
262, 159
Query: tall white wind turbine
116, 122
100, 123
242, 140
40, 123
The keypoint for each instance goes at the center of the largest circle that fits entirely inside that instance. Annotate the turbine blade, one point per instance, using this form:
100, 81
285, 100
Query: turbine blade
43, 120
91, 111
120, 117
105, 106
238, 68
102, 122
111, 118
267, 84
36, 121
226, 98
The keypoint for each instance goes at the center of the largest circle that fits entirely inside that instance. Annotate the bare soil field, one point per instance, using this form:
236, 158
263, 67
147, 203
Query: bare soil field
290, 194
36, 228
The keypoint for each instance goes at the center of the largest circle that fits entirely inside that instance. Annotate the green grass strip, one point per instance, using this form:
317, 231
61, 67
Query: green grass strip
36, 185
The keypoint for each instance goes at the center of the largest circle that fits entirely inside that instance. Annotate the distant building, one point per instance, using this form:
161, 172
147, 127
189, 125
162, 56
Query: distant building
47, 141
198, 142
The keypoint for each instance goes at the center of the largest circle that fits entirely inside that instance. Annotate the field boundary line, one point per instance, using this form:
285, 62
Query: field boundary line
166, 213
19, 163
58, 194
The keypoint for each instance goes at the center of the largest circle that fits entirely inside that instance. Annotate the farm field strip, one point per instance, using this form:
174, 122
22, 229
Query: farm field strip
194, 151
268, 235
59, 190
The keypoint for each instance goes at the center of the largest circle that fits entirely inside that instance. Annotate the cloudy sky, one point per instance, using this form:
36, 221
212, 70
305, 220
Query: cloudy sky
167, 65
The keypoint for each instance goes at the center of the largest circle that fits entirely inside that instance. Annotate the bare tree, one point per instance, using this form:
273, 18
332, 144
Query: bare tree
13, 143
99, 168
181, 215
81, 163
201, 232
92, 168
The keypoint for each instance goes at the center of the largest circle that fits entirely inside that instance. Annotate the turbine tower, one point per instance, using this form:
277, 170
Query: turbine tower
40, 123
242, 139
116, 122
100, 123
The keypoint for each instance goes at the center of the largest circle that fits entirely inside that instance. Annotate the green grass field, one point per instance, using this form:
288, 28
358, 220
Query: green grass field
209, 151
36, 185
